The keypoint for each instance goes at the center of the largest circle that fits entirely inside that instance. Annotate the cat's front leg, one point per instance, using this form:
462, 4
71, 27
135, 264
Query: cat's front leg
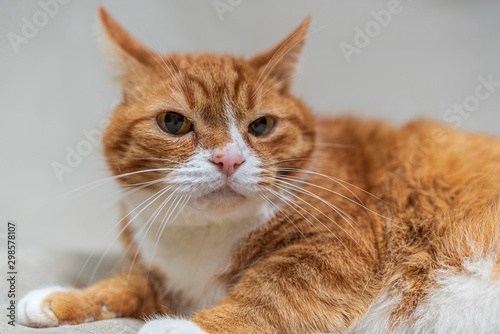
122, 295
302, 289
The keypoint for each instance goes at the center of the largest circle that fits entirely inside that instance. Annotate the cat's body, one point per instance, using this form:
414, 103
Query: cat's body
327, 225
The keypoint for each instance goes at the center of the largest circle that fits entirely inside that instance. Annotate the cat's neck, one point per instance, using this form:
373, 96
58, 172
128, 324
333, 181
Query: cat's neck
192, 248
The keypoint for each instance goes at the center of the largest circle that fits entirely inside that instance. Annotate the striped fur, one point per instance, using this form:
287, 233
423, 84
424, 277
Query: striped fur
334, 225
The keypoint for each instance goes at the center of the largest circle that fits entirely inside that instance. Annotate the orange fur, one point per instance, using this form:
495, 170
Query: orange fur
373, 208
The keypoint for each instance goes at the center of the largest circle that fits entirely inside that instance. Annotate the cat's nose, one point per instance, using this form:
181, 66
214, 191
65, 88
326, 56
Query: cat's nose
227, 159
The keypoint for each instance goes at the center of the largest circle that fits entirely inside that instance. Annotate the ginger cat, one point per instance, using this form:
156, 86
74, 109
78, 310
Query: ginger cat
253, 216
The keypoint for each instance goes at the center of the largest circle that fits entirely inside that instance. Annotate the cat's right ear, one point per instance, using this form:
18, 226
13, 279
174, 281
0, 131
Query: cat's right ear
123, 40
131, 56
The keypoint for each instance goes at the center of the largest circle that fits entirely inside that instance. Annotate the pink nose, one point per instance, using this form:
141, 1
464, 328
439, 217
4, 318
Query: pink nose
227, 159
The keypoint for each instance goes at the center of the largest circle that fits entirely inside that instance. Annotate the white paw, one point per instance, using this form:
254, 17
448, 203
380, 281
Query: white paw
34, 311
171, 326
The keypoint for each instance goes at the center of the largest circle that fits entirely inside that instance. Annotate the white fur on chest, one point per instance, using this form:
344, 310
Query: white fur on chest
194, 249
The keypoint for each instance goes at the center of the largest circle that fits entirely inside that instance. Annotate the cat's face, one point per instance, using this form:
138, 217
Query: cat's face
212, 127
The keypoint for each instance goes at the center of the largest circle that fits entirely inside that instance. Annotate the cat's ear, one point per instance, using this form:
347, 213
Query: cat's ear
123, 41
130, 57
281, 61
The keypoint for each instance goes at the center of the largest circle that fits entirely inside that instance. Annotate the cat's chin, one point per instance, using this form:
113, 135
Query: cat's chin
223, 198
220, 201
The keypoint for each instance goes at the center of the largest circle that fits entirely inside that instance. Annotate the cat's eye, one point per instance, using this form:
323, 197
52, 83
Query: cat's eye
262, 126
174, 123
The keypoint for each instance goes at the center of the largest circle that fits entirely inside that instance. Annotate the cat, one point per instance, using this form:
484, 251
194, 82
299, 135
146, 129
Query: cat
251, 215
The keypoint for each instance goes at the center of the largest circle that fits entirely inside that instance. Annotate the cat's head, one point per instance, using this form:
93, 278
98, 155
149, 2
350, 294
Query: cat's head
215, 128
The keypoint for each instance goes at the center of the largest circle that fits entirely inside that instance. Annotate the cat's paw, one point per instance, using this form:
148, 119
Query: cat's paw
35, 309
57, 306
171, 326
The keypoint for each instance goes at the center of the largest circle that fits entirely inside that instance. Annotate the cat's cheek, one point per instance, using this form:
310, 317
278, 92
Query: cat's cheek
171, 326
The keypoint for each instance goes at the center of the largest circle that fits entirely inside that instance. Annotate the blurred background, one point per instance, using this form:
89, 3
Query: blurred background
393, 60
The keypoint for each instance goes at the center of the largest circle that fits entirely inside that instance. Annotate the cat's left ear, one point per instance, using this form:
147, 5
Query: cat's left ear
281, 61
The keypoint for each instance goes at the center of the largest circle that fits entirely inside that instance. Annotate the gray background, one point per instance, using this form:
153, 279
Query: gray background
426, 59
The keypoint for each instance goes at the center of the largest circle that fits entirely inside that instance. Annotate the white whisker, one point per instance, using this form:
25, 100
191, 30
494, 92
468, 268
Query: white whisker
124, 228
283, 214
329, 218
345, 197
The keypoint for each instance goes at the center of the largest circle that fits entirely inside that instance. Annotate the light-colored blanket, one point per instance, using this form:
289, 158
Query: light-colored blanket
41, 267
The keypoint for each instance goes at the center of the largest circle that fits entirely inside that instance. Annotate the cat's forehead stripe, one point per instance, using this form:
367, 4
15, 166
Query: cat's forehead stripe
217, 129
194, 82
210, 82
